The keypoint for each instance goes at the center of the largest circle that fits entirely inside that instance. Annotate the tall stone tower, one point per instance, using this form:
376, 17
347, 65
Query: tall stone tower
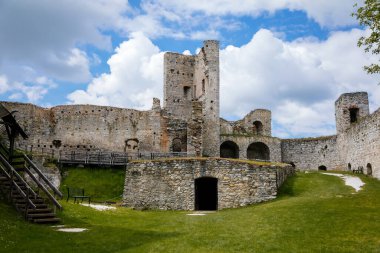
189, 78
349, 109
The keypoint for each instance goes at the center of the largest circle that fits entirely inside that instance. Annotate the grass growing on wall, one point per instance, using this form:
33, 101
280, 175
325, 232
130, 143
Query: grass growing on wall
102, 184
314, 213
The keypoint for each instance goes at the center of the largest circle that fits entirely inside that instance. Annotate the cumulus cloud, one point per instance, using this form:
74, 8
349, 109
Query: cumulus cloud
299, 81
32, 91
45, 36
136, 76
325, 12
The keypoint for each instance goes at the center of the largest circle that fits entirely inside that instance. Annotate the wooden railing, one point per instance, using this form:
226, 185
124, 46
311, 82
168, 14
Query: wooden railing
111, 158
10, 173
30, 165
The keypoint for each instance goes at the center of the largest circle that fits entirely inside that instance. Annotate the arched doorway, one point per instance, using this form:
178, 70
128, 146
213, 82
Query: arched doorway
229, 149
322, 167
258, 151
369, 169
257, 127
349, 166
206, 193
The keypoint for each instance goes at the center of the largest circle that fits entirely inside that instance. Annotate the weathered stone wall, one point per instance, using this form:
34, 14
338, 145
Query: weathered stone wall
359, 145
90, 127
257, 122
347, 102
310, 153
244, 141
169, 184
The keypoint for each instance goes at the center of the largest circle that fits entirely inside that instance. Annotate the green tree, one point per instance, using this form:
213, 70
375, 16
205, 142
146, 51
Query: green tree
369, 15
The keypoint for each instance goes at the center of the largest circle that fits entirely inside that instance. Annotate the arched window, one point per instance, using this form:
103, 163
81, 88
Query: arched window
258, 151
257, 127
229, 149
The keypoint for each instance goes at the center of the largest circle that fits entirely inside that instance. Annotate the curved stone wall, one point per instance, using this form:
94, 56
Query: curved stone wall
170, 184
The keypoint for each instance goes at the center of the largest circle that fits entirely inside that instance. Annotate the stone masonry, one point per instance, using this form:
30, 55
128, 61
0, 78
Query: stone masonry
170, 184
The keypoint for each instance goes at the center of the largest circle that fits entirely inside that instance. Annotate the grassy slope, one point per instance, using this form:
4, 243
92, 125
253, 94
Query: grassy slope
101, 184
314, 213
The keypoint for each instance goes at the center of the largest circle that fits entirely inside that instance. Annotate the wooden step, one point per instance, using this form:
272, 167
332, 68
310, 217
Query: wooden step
38, 206
38, 210
35, 201
47, 220
40, 215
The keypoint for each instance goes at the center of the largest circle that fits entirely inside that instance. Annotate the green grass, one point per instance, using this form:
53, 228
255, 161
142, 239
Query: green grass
102, 184
314, 213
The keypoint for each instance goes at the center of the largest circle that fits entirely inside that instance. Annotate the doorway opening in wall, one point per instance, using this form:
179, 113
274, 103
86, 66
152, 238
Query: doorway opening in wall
206, 194
177, 145
354, 113
258, 151
349, 166
369, 169
257, 127
322, 167
229, 149
293, 164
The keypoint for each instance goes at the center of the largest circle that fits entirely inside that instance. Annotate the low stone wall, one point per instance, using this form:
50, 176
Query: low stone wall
170, 184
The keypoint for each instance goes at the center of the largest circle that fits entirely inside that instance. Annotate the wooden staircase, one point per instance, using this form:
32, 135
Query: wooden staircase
37, 204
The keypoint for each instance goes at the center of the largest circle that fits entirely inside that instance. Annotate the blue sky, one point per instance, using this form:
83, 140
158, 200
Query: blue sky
294, 57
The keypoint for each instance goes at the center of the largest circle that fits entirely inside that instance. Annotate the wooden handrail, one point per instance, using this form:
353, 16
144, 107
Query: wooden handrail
41, 175
23, 194
10, 168
41, 186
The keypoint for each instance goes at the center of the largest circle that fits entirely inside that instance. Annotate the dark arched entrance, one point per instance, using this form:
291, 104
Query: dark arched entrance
369, 169
206, 193
349, 166
258, 151
229, 149
322, 167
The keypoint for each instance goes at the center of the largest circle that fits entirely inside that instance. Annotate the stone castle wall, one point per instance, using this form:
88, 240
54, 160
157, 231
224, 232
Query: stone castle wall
359, 145
310, 153
169, 184
83, 127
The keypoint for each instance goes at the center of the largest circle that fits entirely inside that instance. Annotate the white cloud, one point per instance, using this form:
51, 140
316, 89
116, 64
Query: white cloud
32, 91
325, 12
299, 81
45, 36
136, 76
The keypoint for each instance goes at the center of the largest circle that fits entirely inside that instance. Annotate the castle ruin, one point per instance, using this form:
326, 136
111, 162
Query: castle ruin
189, 122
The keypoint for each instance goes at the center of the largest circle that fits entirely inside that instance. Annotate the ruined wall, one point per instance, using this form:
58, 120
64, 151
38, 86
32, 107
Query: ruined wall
84, 127
359, 145
178, 84
206, 79
170, 184
310, 153
345, 107
244, 141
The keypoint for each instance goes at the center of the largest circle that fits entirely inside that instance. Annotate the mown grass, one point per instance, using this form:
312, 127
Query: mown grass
314, 213
102, 184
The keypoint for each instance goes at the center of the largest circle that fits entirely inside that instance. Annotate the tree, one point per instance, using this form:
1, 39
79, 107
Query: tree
369, 15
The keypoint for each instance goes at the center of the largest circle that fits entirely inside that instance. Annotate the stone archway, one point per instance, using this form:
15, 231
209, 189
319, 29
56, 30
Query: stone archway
369, 169
206, 193
349, 166
258, 151
322, 167
229, 149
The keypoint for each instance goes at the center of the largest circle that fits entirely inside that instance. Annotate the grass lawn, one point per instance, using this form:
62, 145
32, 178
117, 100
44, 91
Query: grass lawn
314, 213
